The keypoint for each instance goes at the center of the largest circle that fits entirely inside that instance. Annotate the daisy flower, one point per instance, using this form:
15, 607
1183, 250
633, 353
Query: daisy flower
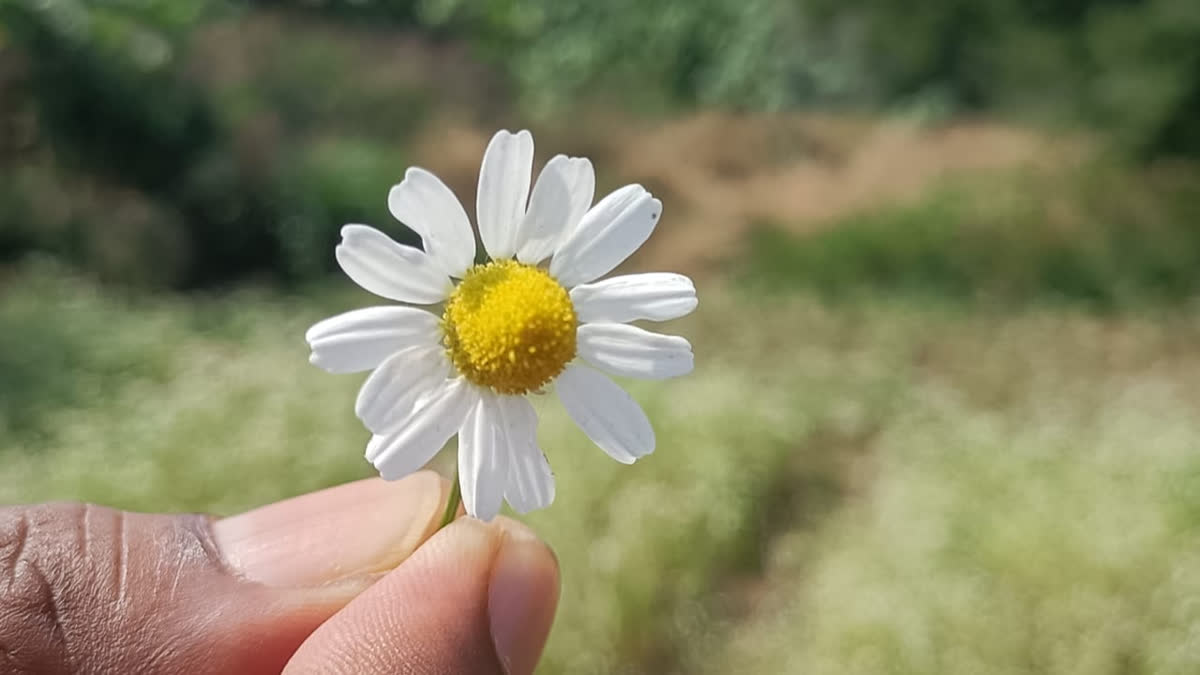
534, 315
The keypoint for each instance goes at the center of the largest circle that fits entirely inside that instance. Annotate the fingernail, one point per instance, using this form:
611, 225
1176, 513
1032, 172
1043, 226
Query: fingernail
522, 597
352, 531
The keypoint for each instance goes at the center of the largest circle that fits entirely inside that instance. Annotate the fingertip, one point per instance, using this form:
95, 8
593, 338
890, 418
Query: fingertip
523, 594
475, 598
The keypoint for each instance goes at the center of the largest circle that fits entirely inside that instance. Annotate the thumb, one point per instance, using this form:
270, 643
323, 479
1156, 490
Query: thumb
86, 589
476, 598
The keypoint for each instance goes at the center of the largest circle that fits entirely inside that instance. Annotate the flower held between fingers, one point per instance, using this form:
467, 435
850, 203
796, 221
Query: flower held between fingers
510, 327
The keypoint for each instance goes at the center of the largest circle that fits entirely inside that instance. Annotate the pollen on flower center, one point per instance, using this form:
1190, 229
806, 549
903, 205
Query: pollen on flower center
510, 327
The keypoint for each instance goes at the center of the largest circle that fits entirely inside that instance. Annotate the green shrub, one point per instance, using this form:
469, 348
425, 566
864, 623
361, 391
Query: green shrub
142, 171
748, 54
326, 185
1132, 68
215, 151
1106, 237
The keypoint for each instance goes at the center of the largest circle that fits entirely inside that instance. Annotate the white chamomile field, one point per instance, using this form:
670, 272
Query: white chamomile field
534, 315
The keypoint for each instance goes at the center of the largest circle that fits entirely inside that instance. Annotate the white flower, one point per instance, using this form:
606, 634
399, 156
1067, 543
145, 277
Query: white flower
508, 327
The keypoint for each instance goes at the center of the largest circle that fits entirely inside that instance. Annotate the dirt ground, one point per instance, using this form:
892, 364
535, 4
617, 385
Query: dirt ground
720, 175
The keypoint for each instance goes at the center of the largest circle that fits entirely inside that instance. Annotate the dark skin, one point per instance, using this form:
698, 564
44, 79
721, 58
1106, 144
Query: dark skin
348, 580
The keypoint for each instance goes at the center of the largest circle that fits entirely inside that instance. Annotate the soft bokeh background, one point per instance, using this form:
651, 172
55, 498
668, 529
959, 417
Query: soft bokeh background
944, 417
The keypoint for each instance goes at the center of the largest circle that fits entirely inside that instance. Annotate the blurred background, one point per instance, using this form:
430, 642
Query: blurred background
944, 418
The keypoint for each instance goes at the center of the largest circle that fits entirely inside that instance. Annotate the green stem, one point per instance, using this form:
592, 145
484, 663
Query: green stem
452, 505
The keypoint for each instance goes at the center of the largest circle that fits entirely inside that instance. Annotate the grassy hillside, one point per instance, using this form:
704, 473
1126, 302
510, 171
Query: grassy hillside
873, 486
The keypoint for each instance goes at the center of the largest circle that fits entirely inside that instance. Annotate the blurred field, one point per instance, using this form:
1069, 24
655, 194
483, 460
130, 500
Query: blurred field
944, 415
876, 486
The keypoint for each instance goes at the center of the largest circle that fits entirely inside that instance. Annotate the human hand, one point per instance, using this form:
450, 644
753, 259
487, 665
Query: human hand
352, 579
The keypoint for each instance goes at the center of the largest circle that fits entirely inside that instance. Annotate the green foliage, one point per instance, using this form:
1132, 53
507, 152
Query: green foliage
51, 363
1026, 511
1132, 68
125, 112
744, 54
1106, 237
129, 122
208, 136
1146, 74
328, 184
397, 12
1128, 67
159, 166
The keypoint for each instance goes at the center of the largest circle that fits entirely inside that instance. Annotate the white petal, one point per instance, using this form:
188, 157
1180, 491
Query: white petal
657, 296
581, 181
483, 459
380, 265
362, 339
503, 190
612, 230
411, 448
424, 203
606, 413
393, 392
530, 481
549, 208
621, 349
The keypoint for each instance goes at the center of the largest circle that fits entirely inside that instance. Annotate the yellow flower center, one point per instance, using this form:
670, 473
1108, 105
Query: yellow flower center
510, 327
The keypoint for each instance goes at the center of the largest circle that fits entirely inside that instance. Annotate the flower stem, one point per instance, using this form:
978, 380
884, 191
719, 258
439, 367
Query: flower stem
452, 505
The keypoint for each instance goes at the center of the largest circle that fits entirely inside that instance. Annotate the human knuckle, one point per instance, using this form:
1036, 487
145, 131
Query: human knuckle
79, 583
37, 544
